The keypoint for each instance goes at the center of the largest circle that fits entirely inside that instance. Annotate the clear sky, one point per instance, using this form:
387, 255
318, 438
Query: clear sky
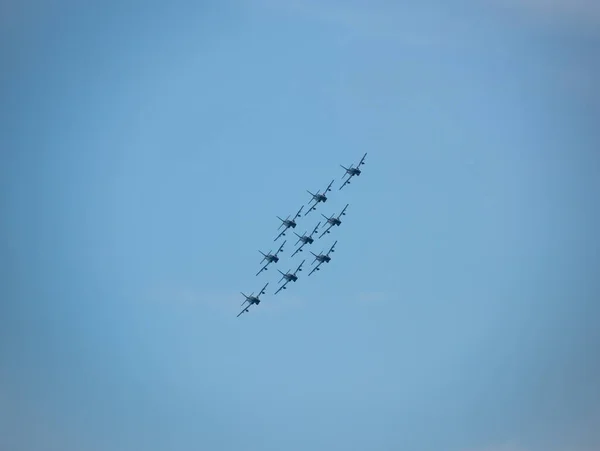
146, 149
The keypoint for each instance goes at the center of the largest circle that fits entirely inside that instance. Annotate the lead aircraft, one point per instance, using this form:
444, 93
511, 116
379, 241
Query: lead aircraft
352, 171
252, 299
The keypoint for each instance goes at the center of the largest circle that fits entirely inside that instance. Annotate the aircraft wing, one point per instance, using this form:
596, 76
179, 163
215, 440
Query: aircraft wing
362, 160
343, 211
347, 181
299, 268
245, 310
280, 235
315, 268
315, 229
298, 250
331, 248
282, 287
329, 186
326, 230
312, 207
266, 285
263, 268
280, 247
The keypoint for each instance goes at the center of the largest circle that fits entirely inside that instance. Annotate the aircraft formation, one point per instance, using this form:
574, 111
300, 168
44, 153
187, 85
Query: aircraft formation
304, 240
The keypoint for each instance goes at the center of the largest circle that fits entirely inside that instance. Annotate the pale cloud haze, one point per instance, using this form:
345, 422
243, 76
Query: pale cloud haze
582, 12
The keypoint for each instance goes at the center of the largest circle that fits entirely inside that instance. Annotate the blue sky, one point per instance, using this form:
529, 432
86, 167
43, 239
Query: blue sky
147, 148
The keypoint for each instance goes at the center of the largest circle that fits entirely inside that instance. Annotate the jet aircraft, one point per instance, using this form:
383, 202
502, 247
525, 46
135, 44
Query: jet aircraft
319, 197
252, 299
352, 171
322, 258
289, 277
270, 258
306, 239
287, 222
334, 221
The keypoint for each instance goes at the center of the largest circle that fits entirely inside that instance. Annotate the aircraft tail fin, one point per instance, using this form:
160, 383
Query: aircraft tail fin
282, 223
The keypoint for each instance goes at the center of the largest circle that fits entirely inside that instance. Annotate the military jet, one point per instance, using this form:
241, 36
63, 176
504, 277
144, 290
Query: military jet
287, 222
352, 171
316, 198
252, 299
306, 239
334, 221
289, 276
270, 258
322, 258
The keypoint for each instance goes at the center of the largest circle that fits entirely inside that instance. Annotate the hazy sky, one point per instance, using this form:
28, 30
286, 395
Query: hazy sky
146, 149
